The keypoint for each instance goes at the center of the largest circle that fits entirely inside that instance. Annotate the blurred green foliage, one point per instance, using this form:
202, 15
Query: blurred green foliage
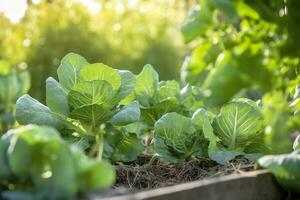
122, 34
14, 82
246, 48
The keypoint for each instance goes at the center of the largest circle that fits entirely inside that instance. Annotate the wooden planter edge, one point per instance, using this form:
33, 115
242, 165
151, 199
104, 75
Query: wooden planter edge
256, 185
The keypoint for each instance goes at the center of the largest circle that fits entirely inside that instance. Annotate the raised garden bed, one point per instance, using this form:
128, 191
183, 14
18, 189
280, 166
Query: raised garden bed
193, 180
249, 185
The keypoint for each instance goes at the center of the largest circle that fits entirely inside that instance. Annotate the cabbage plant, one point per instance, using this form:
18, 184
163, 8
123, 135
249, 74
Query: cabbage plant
86, 100
177, 139
237, 130
38, 164
160, 97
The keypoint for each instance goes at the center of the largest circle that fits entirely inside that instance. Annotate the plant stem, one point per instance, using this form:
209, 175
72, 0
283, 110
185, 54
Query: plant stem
100, 144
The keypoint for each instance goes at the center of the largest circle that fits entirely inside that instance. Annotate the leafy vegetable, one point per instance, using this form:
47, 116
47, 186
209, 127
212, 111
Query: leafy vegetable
285, 168
239, 123
236, 131
247, 46
86, 98
176, 139
122, 146
158, 98
52, 169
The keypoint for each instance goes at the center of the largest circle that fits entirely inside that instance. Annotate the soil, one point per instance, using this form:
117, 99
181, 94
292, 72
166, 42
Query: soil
141, 175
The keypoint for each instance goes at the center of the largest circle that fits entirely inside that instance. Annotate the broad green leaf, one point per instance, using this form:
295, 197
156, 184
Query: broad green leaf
138, 128
128, 82
48, 164
285, 168
146, 84
99, 71
180, 136
202, 120
95, 174
223, 156
93, 114
151, 114
238, 124
30, 111
216, 153
68, 71
191, 98
56, 176
121, 146
90, 92
21, 147
165, 153
165, 90
56, 97
126, 115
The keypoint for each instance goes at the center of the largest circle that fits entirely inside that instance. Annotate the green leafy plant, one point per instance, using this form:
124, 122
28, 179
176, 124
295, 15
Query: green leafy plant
13, 84
177, 139
236, 131
243, 48
285, 168
160, 97
86, 100
37, 163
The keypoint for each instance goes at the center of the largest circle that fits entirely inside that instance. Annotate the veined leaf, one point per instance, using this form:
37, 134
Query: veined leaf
30, 111
165, 90
146, 84
94, 114
56, 97
238, 123
121, 146
151, 114
68, 71
126, 115
90, 92
99, 71
128, 82
179, 136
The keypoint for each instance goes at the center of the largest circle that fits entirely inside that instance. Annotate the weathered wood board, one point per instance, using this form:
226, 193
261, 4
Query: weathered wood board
256, 185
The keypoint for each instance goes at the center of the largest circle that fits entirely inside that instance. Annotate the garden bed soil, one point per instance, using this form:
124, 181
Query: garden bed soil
203, 179
141, 175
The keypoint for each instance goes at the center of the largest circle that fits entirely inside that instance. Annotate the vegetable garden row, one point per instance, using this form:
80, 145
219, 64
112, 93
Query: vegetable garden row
113, 115
240, 96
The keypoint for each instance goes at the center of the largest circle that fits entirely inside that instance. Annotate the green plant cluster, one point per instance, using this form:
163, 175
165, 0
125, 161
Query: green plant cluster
37, 164
248, 49
114, 115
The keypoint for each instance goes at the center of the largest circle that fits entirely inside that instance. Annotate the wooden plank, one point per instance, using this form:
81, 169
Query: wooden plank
257, 185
